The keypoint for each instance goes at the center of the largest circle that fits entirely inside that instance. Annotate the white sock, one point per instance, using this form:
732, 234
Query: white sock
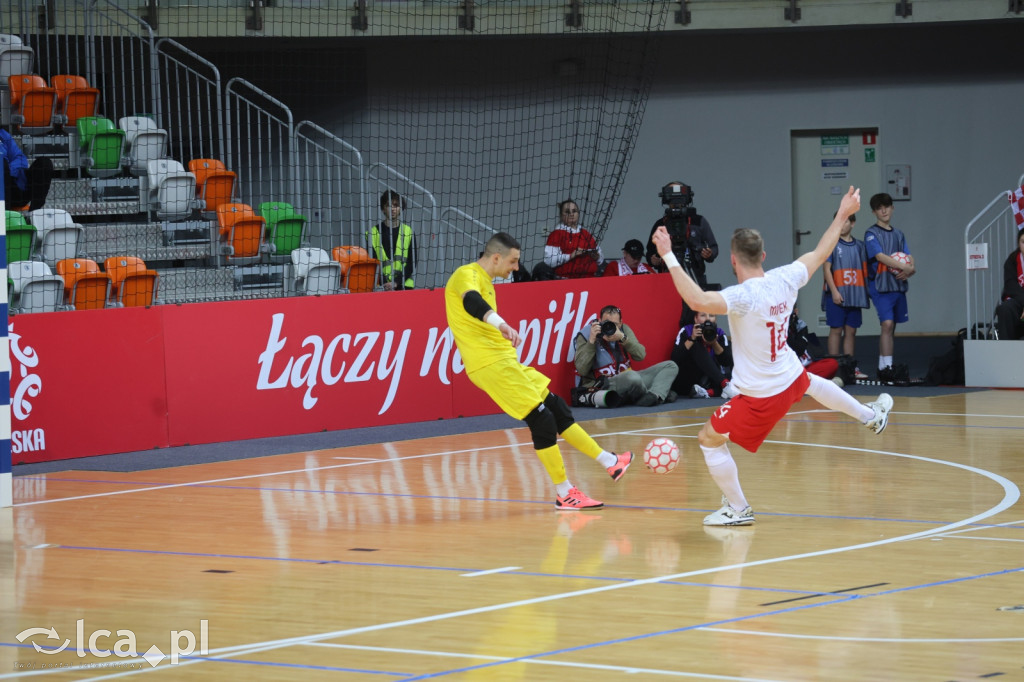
724, 473
606, 459
835, 398
884, 361
563, 488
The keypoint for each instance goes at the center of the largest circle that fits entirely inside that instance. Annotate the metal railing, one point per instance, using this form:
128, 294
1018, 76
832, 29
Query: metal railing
988, 238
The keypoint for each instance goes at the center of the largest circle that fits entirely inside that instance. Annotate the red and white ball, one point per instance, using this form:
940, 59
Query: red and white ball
901, 257
661, 455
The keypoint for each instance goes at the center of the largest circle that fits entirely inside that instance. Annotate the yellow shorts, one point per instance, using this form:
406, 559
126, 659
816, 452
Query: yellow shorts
515, 387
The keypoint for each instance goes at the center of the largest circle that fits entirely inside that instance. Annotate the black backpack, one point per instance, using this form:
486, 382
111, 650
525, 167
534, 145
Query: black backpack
948, 369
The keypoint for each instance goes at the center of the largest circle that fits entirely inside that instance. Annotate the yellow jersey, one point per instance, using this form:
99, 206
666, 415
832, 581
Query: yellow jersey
479, 343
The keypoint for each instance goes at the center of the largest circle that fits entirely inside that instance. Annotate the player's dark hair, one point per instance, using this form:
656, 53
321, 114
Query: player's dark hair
501, 242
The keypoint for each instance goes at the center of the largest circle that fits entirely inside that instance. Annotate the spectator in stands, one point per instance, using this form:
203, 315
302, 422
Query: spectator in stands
1010, 312
392, 243
605, 351
571, 251
704, 358
631, 263
24, 184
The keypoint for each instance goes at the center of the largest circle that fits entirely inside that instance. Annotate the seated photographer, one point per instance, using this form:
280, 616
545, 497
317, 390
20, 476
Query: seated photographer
631, 263
605, 351
1010, 311
570, 250
704, 358
693, 242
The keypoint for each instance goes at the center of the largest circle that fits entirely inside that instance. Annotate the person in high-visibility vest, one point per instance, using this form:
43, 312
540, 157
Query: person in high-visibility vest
392, 243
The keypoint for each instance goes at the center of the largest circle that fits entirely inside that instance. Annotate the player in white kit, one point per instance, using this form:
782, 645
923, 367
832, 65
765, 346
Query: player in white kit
767, 373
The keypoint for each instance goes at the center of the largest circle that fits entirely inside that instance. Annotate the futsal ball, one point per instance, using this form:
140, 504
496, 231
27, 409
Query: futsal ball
901, 257
661, 455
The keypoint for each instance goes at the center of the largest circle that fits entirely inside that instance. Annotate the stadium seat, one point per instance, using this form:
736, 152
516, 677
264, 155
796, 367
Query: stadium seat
242, 230
315, 273
215, 184
85, 287
101, 146
131, 282
359, 272
21, 237
15, 58
286, 228
172, 190
75, 98
143, 142
34, 288
33, 104
59, 236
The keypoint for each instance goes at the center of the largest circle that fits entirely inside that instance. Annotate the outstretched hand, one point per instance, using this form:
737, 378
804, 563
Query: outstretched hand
850, 203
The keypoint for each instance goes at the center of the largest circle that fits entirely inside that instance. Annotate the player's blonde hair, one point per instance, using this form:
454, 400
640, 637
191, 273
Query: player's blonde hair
747, 245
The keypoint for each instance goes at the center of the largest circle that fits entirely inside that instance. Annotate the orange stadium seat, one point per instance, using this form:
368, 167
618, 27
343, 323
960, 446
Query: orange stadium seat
85, 287
215, 184
33, 104
75, 98
359, 272
242, 230
132, 283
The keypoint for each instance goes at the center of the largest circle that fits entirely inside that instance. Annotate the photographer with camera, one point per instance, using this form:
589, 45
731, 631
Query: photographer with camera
605, 351
704, 358
693, 242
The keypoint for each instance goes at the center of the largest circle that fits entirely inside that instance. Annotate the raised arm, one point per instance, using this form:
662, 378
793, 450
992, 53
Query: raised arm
849, 205
695, 297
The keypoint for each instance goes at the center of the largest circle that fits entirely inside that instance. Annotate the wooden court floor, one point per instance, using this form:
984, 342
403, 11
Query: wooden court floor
892, 557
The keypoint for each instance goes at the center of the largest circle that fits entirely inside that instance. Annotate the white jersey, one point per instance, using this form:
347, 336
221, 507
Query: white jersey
759, 310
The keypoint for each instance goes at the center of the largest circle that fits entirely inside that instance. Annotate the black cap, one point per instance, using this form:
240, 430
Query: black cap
634, 248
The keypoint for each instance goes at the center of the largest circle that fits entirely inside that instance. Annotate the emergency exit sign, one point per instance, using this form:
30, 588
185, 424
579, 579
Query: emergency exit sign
835, 145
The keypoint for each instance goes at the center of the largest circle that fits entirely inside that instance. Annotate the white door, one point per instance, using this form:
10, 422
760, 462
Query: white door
825, 164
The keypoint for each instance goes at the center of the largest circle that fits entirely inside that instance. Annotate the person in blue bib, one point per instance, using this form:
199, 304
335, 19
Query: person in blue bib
887, 280
845, 292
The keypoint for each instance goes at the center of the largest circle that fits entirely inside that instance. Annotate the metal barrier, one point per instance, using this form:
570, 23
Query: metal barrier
331, 187
988, 239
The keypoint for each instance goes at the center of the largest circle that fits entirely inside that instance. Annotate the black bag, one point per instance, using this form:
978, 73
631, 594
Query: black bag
847, 368
948, 369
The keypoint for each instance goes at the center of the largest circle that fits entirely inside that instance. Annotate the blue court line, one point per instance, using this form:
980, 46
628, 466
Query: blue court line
368, 564
713, 624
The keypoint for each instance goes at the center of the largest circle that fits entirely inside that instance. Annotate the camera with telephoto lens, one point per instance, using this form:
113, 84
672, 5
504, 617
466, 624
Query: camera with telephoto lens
608, 328
709, 331
677, 198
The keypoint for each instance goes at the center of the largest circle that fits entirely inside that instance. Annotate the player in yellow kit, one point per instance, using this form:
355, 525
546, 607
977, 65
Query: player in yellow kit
487, 344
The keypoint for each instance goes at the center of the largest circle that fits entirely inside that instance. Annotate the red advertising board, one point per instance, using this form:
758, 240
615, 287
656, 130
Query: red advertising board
97, 382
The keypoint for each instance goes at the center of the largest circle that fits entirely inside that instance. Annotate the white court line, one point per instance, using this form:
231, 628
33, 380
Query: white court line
1011, 496
490, 571
894, 640
538, 661
987, 527
303, 470
953, 536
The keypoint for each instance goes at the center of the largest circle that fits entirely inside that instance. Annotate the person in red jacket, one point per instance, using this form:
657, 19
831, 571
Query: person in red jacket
571, 250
